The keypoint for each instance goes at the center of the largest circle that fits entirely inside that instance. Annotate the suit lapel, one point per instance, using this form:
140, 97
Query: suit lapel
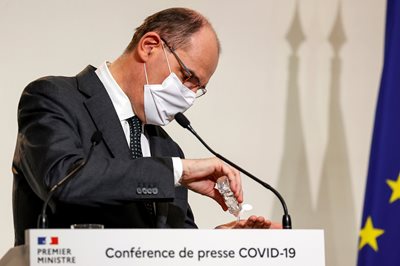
152, 135
160, 143
102, 111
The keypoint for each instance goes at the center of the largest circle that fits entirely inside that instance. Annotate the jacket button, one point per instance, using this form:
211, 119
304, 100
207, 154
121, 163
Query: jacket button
155, 191
139, 191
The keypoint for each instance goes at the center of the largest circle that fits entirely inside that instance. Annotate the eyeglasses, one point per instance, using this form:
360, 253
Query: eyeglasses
190, 80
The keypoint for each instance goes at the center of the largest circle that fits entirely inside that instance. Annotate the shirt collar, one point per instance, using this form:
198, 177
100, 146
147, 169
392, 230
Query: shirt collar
118, 97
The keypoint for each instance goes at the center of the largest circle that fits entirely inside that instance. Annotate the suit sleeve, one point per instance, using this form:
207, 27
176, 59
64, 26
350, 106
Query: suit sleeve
50, 142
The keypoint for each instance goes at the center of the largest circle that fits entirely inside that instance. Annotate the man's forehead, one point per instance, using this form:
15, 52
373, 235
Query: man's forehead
203, 53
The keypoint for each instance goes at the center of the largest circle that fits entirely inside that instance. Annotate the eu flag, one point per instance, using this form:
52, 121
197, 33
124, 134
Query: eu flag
379, 242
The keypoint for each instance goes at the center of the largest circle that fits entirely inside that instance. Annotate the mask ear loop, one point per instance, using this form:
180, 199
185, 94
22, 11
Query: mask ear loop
145, 73
166, 57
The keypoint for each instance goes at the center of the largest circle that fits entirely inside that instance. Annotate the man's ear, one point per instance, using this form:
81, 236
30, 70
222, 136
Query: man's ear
147, 44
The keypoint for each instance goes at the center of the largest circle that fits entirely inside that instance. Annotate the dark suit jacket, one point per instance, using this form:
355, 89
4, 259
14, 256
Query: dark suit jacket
57, 117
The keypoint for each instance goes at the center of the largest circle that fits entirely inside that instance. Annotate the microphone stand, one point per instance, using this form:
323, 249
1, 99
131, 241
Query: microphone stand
42, 219
286, 220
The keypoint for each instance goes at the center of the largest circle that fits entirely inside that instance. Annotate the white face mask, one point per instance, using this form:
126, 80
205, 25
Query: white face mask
163, 101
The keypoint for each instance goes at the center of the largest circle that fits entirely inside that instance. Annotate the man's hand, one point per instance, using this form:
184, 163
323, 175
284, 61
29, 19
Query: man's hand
253, 222
201, 176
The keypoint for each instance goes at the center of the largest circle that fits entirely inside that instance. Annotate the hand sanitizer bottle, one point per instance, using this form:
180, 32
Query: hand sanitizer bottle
233, 206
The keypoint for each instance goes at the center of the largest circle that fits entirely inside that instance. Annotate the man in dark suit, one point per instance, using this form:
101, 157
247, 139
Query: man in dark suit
169, 61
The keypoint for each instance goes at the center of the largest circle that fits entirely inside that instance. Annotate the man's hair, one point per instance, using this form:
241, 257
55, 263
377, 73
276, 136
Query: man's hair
174, 25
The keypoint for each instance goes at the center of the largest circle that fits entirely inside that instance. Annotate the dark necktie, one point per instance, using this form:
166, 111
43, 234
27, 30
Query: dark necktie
135, 128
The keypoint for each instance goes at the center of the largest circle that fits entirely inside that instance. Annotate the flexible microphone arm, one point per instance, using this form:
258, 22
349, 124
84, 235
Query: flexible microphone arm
42, 219
185, 123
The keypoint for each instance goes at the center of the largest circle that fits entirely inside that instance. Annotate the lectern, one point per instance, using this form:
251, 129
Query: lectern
170, 247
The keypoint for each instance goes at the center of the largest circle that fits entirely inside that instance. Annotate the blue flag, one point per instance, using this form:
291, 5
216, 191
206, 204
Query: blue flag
379, 238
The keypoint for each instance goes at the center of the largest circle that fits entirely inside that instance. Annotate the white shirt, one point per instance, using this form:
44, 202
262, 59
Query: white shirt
123, 108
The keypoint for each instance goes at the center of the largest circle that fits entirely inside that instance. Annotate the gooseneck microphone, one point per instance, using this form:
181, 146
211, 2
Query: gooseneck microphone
42, 219
185, 123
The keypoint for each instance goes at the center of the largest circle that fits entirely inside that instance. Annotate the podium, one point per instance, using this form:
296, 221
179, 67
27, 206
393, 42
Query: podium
122, 247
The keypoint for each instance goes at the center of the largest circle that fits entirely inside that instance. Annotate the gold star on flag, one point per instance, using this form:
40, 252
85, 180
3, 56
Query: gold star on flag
395, 186
369, 234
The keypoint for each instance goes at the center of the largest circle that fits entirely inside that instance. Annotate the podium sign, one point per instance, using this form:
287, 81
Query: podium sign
120, 247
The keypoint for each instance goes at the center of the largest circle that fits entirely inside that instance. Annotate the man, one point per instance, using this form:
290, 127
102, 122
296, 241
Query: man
136, 176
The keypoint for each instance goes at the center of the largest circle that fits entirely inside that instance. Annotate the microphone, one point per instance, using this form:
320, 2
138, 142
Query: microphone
42, 219
185, 123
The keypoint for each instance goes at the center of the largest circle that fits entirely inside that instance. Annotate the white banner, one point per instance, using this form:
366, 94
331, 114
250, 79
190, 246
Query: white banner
120, 247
